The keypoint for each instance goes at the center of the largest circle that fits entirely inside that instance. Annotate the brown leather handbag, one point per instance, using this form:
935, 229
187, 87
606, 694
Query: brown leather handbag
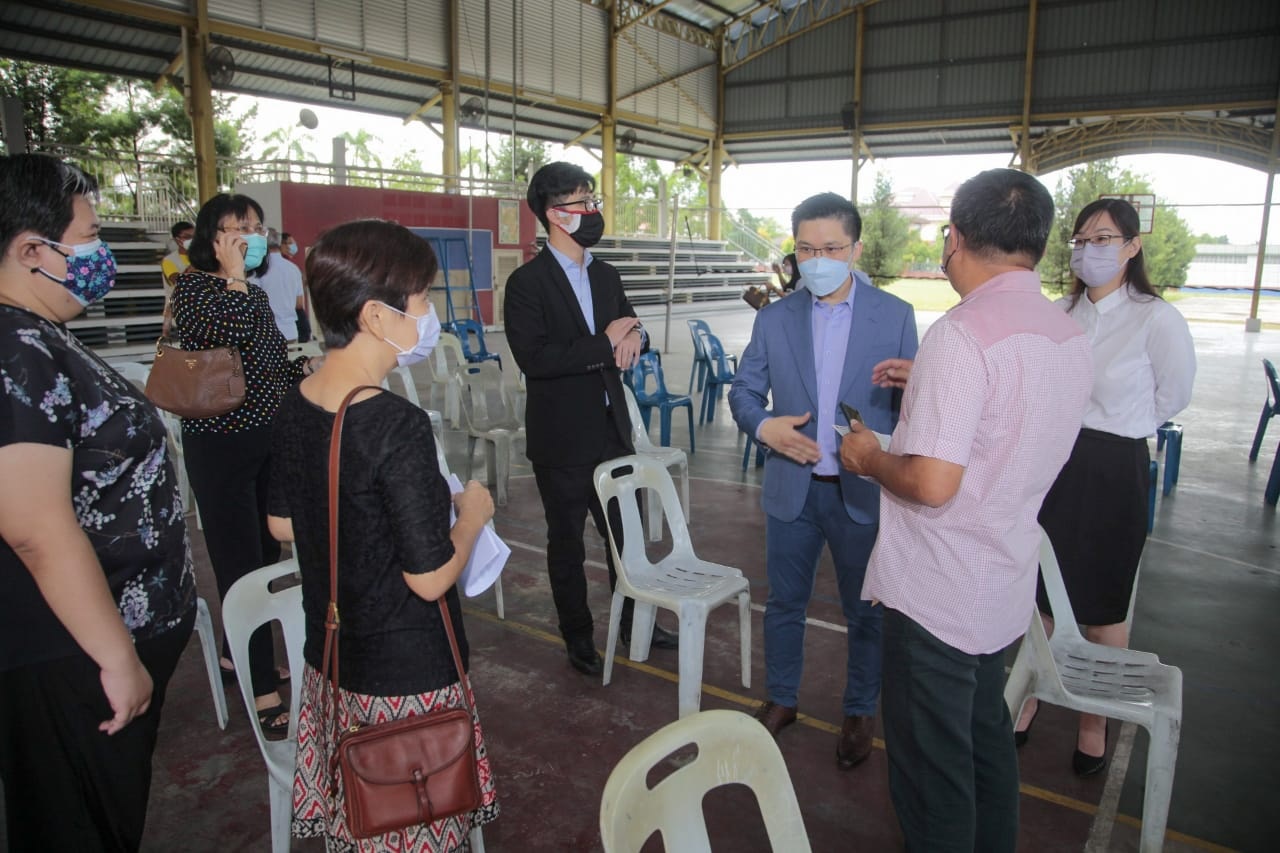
196, 383
404, 772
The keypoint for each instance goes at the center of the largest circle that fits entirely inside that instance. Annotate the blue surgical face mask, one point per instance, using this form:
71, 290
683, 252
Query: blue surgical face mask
822, 276
256, 250
91, 270
428, 337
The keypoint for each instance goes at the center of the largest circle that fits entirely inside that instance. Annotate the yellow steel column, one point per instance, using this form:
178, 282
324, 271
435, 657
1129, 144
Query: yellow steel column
714, 205
199, 104
608, 172
449, 157
855, 135
1024, 144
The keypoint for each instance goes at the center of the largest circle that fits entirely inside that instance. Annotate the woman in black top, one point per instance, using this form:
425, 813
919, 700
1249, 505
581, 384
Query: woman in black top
214, 305
397, 553
98, 594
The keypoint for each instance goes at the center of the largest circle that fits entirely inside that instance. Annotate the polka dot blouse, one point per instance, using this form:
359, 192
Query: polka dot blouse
208, 315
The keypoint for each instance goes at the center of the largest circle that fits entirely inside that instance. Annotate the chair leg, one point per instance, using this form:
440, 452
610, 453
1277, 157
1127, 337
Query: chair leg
1019, 685
693, 629
684, 492
746, 450
655, 516
1172, 459
665, 432
691, 449
611, 644
281, 815
744, 635
501, 472
209, 648
471, 453
497, 594
1154, 476
477, 840
642, 620
1267, 412
1162, 754
1272, 495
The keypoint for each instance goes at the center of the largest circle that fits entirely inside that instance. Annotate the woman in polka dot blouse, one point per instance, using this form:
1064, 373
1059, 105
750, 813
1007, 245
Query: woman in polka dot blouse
227, 457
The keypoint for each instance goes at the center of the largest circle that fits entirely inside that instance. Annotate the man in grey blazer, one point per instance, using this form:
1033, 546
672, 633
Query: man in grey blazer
813, 351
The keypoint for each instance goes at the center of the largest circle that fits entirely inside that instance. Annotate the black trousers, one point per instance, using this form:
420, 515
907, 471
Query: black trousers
229, 476
68, 786
568, 495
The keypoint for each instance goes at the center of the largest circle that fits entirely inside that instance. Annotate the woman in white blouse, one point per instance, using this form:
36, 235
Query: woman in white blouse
1096, 512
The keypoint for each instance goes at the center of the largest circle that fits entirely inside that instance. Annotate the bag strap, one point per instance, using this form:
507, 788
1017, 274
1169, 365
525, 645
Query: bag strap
332, 621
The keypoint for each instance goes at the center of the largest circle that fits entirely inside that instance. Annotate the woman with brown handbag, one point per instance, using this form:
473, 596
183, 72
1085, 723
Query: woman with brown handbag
215, 304
397, 555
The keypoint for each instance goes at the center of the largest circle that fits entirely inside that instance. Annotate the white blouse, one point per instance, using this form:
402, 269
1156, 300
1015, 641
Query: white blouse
1144, 361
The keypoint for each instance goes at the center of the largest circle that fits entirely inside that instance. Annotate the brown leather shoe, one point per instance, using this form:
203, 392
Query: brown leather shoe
855, 741
775, 717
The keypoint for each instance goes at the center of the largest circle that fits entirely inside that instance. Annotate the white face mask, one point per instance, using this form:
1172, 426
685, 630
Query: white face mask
428, 337
823, 276
1097, 266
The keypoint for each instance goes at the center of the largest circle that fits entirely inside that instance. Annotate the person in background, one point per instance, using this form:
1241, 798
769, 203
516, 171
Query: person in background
283, 283
991, 405
289, 249
398, 553
572, 331
1096, 513
227, 457
99, 594
808, 354
174, 263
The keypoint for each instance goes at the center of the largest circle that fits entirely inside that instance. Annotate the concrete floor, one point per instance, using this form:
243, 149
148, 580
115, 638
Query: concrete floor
1208, 591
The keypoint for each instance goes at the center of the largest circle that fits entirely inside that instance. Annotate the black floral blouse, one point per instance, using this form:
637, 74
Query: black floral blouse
123, 488
208, 315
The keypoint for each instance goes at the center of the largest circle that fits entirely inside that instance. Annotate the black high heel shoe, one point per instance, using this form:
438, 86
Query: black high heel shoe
1020, 737
1085, 764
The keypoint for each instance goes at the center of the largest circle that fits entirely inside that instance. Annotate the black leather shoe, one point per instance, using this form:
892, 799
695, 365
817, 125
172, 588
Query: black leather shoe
662, 638
583, 656
854, 744
1085, 764
1020, 737
775, 717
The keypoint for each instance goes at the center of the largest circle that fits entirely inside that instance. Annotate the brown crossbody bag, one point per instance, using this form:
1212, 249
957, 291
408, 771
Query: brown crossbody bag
404, 772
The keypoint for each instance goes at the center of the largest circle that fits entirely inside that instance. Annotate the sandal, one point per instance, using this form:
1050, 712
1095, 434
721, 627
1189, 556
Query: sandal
228, 673
274, 722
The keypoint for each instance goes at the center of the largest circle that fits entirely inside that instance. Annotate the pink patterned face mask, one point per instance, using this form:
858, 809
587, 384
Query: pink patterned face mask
91, 270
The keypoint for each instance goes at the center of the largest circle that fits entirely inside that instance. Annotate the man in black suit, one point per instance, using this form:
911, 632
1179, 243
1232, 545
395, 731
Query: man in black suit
572, 331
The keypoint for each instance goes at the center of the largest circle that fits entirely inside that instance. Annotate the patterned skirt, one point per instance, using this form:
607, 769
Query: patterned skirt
318, 811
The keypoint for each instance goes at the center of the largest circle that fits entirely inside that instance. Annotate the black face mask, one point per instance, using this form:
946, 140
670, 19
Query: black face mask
590, 230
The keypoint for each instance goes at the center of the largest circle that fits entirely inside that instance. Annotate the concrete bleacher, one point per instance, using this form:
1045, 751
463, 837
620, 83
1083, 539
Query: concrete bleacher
705, 270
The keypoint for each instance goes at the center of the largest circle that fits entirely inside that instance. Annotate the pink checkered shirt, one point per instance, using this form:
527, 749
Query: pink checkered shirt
999, 386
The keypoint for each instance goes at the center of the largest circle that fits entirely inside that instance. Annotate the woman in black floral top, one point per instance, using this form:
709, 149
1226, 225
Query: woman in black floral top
99, 597
216, 304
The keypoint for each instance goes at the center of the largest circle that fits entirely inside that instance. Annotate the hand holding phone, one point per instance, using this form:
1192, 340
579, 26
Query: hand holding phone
850, 413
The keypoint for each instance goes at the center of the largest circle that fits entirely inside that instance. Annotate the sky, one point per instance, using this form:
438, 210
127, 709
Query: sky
1212, 196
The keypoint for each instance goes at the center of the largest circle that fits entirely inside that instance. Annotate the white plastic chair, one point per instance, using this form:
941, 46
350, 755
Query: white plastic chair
209, 651
246, 606
670, 457
1122, 684
732, 749
679, 582
445, 359
487, 414
250, 604
405, 375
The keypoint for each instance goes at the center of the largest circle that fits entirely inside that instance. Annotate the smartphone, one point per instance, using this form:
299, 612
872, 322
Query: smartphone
850, 413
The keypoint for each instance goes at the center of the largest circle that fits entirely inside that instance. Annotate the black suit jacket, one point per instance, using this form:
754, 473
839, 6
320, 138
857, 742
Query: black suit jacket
568, 370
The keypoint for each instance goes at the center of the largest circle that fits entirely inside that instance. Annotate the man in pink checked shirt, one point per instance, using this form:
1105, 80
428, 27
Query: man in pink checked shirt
992, 405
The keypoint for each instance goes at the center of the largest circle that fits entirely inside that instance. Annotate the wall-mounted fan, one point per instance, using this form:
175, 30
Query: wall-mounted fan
220, 65
472, 108
627, 141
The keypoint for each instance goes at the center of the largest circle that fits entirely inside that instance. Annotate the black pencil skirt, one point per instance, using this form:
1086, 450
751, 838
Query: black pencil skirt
1096, 517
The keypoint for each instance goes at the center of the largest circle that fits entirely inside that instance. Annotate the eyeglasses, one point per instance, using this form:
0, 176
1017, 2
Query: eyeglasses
946, 232
803, 251
246, 230
589, 205
1099, 240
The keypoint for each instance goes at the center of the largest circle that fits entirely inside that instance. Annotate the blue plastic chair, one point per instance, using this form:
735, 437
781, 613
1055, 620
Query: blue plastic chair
746, 452
720, 375
1154, 476
659, 397
1170, 433
464, 329
701, 366
1270, 408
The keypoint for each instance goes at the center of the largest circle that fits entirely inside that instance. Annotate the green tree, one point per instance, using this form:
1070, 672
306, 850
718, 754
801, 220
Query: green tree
1168, 249
921, 256
288, 143
885, 234
1213, 239
59, 105
766, 226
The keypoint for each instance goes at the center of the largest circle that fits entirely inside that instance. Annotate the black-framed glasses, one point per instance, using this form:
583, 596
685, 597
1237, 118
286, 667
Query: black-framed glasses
946, 232
589, 205
246, 230
1099, 240
803, 251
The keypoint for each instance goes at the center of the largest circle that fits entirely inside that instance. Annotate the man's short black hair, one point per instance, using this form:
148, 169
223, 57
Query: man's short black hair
1003, 211
828, 206
179, 227
37, 193
553, 183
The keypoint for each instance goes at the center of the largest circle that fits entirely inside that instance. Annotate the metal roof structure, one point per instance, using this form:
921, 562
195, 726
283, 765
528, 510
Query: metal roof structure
707, 82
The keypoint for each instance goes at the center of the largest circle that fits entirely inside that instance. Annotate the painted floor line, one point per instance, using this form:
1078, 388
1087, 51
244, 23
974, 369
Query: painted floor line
831, 728
1214, 556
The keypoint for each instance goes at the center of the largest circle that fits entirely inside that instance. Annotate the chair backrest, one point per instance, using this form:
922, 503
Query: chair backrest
464, 329
134, 371
410, 386
485, 404
697, 328
248, 605
716, 356
732, 748
447, 356
648, 365
1273, 383
621, 479
1064, 618
639, 435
